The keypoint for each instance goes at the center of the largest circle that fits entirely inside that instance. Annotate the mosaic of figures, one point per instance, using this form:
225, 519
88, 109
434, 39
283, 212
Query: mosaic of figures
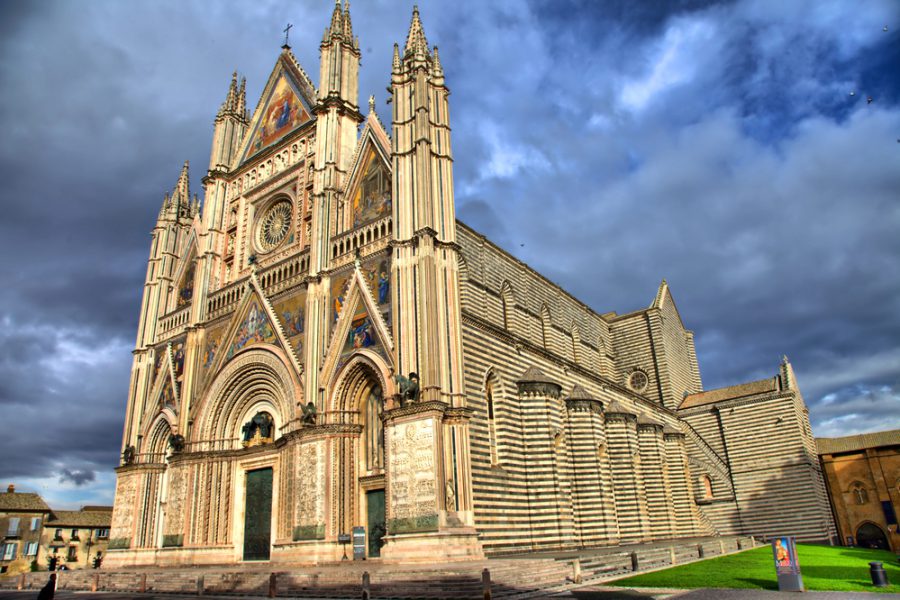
167, 396
411, 455
377, 273
292, 312
178, 360
256, 329
213, 341
162, 355
372, 200
186, 288
283, 112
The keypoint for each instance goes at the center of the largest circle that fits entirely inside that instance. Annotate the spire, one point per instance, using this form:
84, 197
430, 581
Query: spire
415, 40
395, 64
337, 20
348, 26
231, 97
241, 107
438, 69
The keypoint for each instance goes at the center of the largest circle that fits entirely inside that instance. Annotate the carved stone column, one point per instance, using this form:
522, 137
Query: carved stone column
428, 498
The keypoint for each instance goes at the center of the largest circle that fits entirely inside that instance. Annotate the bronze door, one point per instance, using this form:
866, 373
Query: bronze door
258, 515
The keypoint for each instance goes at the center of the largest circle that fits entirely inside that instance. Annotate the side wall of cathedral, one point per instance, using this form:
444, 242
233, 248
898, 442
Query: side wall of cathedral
564, 453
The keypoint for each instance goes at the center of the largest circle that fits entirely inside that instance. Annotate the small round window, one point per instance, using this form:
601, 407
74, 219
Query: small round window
274, 225
638, 381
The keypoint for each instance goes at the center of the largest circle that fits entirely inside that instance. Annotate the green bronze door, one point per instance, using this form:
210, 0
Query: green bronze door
258, 515
375, 523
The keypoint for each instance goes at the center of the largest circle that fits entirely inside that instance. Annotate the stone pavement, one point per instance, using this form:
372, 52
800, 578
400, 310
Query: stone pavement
587, 593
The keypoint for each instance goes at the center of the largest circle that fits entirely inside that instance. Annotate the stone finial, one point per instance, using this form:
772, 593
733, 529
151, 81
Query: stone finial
438, 69
372, 103
11, 489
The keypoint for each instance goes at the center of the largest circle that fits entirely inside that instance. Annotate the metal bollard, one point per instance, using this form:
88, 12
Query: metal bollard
200, 585
576, 570
21, 585
699, 550
878, 574
366, 592
143, 583
273, 585
95, 582
634, 561
486, 584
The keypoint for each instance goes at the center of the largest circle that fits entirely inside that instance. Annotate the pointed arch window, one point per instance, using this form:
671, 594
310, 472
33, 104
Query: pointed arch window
545, 326
492, 429
576, 344
859, 492
506, 301
706, 482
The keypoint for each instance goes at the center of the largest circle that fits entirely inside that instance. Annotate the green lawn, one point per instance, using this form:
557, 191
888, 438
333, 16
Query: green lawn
823, 568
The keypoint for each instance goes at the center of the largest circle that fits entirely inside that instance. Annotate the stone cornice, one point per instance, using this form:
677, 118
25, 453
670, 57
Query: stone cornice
434, 407
584, 405
520, 342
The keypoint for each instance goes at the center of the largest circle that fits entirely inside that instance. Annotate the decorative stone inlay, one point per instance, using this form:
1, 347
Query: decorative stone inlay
311, 485
123, 516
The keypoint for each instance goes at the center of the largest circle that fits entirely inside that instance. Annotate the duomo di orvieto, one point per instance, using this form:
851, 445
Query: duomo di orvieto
324, 347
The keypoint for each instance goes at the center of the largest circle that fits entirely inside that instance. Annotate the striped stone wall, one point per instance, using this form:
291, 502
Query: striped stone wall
778, 486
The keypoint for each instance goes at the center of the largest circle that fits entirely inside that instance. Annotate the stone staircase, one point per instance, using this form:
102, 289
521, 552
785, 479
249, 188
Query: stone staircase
519, 577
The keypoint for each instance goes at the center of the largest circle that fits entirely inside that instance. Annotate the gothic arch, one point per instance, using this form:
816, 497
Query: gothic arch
364, 366
546, 325
257, 379
157, 440
871, 535
507, 304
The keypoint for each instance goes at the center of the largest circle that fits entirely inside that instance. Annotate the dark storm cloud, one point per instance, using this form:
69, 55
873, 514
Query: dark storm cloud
77, 477
607, 144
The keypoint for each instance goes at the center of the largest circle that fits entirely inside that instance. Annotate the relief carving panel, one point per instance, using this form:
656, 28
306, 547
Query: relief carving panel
413, 482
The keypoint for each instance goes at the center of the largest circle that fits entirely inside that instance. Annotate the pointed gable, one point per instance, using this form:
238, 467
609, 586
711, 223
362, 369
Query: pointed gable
286, 104
254, 327
369, 182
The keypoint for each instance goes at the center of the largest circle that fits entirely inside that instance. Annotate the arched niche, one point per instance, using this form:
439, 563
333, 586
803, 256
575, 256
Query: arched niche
257, 380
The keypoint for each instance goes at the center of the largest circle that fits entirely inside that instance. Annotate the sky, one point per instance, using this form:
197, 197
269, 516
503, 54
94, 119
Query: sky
728, 147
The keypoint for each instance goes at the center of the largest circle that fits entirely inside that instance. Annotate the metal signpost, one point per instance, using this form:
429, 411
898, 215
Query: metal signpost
344, 539
784, 550
359, 543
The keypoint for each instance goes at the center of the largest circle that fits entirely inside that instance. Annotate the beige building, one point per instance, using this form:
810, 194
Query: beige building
863, 477
76, 537
324, 350
22, 517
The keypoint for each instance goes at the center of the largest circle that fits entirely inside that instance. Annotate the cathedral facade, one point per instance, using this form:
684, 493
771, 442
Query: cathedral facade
326, 354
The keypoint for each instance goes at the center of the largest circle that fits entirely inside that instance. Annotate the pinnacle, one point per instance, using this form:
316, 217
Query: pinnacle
415, 40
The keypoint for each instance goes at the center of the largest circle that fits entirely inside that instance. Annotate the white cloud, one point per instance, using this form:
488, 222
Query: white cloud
674, 62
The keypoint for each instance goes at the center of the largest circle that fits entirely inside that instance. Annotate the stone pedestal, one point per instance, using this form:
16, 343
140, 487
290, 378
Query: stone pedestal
428, 483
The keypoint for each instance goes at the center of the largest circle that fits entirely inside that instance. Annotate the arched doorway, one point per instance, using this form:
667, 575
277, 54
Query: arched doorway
870, 535
361, 399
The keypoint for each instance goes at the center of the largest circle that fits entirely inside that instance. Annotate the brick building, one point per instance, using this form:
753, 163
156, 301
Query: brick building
863, 477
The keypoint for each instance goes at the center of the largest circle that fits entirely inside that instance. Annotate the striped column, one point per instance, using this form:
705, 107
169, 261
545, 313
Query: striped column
593, 504
625, 462
652, 449
549, 502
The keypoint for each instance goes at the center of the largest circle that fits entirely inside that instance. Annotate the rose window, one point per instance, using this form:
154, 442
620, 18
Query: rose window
274, 225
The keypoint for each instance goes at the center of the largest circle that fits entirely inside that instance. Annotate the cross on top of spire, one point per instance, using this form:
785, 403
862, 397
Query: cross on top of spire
287, 31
